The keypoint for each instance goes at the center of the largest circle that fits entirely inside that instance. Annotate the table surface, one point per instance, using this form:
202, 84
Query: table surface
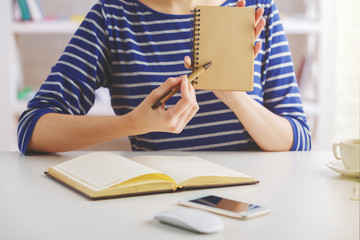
307, 201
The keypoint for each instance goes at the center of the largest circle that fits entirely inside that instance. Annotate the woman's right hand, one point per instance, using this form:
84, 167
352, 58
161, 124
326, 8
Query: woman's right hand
174, 119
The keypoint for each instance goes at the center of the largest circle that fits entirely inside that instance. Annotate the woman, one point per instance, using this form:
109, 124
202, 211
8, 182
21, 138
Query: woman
131, 47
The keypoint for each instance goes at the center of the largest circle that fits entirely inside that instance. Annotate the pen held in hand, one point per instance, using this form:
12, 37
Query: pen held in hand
175, 89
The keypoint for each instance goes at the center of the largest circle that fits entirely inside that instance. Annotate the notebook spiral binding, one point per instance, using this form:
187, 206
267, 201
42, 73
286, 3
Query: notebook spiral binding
196, 39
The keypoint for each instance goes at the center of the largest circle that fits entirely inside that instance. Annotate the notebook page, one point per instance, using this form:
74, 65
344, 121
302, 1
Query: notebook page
103, 169
181, 168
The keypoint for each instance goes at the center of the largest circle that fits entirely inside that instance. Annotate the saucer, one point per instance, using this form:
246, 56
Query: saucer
338, 166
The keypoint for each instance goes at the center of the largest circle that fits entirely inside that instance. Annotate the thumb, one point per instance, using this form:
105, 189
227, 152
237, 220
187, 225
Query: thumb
187, 62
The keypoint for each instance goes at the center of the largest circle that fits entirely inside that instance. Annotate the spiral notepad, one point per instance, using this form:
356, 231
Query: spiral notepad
224, 36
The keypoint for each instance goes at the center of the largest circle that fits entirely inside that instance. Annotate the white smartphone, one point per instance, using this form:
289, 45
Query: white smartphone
224, 206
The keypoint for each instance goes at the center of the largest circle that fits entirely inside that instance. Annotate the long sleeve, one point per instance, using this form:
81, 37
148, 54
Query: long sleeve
70, 88
281, 92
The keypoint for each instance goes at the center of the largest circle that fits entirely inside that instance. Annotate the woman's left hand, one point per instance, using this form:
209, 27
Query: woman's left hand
259, 25
227, 96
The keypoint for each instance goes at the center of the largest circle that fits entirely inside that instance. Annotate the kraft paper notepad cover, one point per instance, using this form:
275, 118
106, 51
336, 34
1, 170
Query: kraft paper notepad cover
225, 36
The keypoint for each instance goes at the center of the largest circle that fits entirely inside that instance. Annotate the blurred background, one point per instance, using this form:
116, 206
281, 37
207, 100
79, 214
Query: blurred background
324, 38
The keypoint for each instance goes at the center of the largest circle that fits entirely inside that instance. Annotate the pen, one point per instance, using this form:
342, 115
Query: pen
175, 89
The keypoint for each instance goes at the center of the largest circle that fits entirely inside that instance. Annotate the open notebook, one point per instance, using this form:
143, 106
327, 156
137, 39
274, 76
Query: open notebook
101, 175
224, 36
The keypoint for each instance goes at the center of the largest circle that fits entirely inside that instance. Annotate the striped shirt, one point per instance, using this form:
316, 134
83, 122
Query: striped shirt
131, 49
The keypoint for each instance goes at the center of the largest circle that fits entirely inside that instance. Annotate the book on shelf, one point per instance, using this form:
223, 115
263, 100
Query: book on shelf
30, 10
36, 11
25, 12
102, 175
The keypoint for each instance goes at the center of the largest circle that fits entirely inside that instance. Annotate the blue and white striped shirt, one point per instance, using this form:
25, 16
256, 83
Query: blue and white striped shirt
131, 49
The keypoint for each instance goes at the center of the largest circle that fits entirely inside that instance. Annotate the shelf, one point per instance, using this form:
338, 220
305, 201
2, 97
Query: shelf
46, 27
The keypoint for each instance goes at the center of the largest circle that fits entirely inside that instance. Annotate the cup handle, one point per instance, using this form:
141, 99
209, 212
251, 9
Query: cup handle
336, 147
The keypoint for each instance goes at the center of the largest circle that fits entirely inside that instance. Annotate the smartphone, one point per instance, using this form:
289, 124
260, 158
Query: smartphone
225, 206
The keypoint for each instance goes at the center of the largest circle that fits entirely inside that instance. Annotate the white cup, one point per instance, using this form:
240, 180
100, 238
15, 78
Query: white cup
349, 153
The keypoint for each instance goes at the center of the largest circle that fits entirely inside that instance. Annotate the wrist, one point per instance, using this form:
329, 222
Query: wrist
143, 119
233, 99
133, 124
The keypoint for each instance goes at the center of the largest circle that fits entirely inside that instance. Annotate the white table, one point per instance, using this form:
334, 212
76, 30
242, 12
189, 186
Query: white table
308, 201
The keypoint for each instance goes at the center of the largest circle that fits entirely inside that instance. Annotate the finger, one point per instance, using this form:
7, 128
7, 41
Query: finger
195, 107
257, 49
185, 117
163, 88
259, 27
185, 87
185, 100
189, 113
241, 3
185, 109
192, 92
187, 62
258, 14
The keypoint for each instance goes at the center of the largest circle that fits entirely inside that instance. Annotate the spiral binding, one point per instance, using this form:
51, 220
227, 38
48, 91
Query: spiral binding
196, 39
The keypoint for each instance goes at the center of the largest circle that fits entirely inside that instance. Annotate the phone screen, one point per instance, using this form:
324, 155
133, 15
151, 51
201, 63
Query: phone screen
225, 204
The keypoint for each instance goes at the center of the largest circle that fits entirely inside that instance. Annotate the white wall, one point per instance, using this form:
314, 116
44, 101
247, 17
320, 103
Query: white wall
347, 78
6, 120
